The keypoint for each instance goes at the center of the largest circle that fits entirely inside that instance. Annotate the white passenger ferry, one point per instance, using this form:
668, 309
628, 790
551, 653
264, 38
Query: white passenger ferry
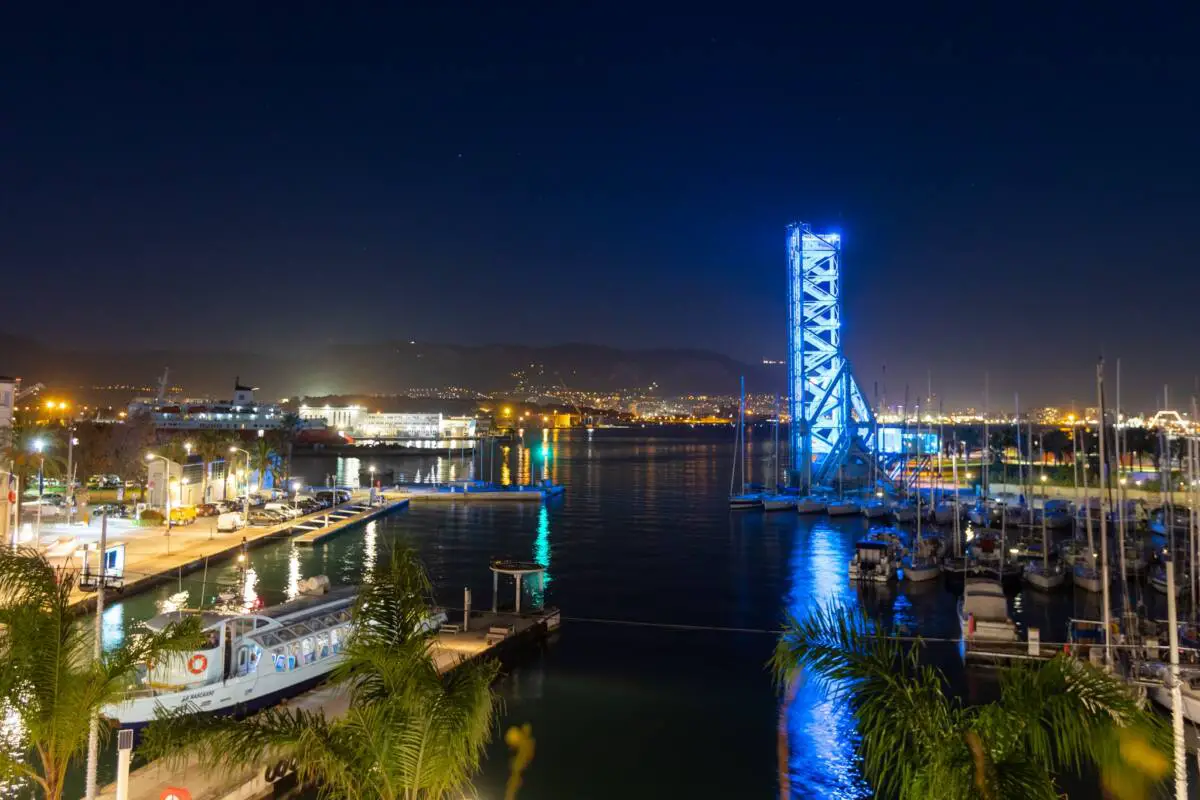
248, 661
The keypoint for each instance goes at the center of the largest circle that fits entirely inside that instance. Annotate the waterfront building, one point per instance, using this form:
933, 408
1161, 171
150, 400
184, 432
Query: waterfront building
357, 421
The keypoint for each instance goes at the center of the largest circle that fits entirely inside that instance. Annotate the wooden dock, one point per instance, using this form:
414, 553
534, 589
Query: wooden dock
497, 635
335, 523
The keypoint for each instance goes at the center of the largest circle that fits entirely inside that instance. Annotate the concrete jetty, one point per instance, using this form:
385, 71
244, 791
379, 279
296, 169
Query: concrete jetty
151, 558
336, 524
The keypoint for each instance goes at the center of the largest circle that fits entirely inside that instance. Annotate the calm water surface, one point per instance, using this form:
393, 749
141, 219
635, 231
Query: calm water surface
643, 534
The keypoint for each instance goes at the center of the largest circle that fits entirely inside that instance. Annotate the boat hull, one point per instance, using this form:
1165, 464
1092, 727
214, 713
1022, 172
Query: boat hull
922, 572
842, 509
778, 504
229, 698
1191, 703
1046, 581
810, 507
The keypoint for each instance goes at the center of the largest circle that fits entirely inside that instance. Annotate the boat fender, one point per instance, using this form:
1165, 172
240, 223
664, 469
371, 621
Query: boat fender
197, 664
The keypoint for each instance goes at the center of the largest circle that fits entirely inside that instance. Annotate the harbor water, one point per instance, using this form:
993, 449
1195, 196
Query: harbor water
657, 684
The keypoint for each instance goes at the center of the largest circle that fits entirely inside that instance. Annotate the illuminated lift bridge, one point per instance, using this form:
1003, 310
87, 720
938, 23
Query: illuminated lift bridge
831, 421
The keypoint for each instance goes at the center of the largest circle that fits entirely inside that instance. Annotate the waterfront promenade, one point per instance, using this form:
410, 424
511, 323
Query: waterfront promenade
151, 556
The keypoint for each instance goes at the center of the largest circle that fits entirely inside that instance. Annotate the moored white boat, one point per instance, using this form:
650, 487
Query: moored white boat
811, 505
745, 501
874, 561
1045, 577
1087, 578
778, 502
248, 661
1189, 692
841, 508
945, 511
983, 612
874, 509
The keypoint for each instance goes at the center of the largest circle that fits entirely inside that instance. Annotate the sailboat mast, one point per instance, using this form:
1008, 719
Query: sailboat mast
742, 430
1103, 517
1125, 604
941, 449
775, 466
1020, 450
985, 458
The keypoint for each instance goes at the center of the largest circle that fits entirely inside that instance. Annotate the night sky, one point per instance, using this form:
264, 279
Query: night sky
1017, 194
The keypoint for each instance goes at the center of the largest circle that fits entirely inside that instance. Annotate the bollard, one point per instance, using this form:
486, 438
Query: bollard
466, 607
124, 756
1035, 642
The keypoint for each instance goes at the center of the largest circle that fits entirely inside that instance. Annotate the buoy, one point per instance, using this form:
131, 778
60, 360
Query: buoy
197, 664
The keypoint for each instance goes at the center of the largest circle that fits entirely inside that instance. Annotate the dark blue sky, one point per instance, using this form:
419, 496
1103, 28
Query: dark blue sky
1017, 192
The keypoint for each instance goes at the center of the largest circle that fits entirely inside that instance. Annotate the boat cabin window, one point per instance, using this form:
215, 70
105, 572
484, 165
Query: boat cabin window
323, 645
212, 638
279, 659
293, 660
261, 623
335, 639
307, 649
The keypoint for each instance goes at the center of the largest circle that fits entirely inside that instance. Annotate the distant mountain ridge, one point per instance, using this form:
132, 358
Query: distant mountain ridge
391, 367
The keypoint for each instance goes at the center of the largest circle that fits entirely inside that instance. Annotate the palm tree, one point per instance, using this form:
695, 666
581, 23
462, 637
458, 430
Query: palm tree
265, 461
288, 427
410, 733
917, 742
48, 677
211, 446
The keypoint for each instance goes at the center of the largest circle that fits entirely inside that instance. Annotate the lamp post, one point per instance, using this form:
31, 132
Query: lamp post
295, 496
246, 496
166, 492
40, 447
70, 498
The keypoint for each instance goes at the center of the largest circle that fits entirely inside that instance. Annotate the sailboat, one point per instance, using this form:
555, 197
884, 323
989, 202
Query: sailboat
742, 499
772, 499
843, 505
1085, 575
1041, 574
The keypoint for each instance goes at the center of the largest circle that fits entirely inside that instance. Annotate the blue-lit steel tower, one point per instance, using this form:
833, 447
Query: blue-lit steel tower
831, 422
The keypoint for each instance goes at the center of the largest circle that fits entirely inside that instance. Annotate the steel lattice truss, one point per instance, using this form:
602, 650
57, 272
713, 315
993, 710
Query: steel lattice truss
831, 421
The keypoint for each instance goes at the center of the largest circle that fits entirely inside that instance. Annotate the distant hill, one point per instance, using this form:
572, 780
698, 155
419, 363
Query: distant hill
389, 367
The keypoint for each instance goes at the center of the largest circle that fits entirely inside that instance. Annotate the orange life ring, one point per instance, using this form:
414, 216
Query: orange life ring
197, 664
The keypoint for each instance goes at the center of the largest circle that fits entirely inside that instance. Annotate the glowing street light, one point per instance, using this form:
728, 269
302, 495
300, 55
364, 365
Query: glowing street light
246, 497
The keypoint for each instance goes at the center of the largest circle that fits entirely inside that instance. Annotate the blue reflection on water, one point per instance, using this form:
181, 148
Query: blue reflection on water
823, 757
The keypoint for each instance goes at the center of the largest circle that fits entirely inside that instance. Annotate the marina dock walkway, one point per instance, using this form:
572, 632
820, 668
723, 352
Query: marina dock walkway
451, 647
152, 557
321, 529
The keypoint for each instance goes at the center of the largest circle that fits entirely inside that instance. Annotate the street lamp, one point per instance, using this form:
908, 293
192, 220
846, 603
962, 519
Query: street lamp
246, 497
150, 457
71, 442
295, 495
39, 446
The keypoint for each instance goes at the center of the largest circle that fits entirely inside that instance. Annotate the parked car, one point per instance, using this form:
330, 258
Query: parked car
183, 515
230, 521
280, 508
112, 509
207, 510
263, 518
